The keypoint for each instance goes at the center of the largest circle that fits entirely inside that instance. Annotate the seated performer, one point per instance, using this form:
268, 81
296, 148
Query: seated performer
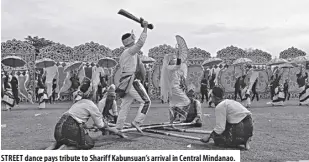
234, 124
109, 106
171, 76
194, 110
70, 130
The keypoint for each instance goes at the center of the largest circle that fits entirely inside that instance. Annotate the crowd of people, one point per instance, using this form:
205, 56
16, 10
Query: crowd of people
245, 87
233, 127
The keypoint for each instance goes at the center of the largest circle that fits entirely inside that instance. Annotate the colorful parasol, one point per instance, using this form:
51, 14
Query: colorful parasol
182, 48
277, 61
147, 60
75, 65
107, 62
44, 63
242, 61
212, 61
13, 61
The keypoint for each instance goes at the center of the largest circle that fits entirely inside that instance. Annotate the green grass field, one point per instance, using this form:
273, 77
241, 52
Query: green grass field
280, 133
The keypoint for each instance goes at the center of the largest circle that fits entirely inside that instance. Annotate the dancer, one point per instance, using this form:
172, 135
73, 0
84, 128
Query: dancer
108, 106
70, 130
172, 72
304, 89
234, 124
131, 88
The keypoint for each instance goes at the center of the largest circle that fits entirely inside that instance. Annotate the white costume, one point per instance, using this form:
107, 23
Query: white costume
131, 86
170, 83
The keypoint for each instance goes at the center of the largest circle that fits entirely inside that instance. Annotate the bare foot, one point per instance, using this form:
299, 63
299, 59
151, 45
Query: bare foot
137, 128
247, 146
52, 147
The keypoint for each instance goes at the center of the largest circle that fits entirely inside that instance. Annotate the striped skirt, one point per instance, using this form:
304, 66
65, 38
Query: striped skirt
71, 133
304, 95
235, 134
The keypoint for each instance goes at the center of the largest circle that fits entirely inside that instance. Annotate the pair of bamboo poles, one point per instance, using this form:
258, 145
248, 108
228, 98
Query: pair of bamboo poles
152, 128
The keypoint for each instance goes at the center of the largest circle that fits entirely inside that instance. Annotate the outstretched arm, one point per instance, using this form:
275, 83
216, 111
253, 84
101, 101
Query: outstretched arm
141, 41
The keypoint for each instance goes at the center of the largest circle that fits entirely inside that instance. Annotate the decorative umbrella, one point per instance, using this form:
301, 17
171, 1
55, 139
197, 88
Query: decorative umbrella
147, 60
13, 61
212, 61
276, 61
300, 59
286, 65
75, 65
44, 63
182, 48
107, 62
241, 61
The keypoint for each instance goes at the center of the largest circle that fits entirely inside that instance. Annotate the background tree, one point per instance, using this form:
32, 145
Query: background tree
38, 43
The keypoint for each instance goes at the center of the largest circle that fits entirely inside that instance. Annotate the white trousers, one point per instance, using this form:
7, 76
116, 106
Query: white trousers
137, 92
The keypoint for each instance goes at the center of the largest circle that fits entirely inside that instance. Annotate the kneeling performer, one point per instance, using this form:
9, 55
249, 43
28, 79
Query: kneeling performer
234, 124
70, 130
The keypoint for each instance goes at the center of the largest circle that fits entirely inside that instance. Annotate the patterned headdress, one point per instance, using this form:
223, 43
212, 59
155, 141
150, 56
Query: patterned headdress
128, 38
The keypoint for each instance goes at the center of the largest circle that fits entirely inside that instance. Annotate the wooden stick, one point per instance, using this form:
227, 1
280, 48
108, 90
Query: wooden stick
172, 134
146, 125
155, 126
185, 130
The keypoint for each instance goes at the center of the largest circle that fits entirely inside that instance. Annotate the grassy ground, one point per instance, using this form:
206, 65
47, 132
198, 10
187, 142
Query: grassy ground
280, 133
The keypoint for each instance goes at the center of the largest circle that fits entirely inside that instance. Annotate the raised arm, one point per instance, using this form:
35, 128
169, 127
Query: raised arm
175, 67
141, 41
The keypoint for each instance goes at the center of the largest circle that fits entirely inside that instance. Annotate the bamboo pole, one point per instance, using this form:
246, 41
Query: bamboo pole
186, 130
172, 134
155, 126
